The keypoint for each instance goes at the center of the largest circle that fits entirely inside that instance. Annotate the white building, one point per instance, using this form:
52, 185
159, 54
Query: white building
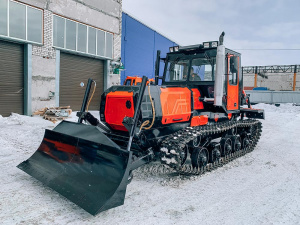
48, 50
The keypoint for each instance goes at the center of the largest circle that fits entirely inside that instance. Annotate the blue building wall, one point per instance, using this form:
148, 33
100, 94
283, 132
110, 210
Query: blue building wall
139, 46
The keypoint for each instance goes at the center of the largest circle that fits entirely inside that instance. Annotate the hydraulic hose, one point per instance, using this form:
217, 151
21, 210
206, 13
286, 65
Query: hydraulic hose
145, 123
88, 104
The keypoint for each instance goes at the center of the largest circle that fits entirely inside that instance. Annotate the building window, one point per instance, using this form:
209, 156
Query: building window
92, 41
34, 25
3, 17
75, 36
81, 37
17, 21
70, 35
100, 42
59, 32
21, 22
109, 44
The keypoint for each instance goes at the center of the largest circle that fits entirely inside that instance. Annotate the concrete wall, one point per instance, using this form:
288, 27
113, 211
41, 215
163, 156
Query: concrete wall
276, 82
43, 82
103, 14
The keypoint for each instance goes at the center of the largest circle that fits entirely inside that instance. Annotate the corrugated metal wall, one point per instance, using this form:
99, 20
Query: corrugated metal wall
139, 46
75, 69
11, 78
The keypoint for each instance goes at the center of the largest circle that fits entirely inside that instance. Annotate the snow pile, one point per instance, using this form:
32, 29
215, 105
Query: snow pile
260, 188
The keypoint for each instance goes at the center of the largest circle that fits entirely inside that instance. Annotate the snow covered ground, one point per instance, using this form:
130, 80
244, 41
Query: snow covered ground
262, 187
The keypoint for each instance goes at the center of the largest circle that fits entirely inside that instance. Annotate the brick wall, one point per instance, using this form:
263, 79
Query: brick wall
44, 68
46, 50
118, 37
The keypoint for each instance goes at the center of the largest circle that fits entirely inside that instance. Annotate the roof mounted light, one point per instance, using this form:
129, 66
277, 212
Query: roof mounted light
171, 49
176, 48
211, 44
214, 44
206, 44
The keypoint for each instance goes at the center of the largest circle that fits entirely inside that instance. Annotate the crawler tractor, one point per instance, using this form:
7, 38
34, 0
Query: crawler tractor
194, 122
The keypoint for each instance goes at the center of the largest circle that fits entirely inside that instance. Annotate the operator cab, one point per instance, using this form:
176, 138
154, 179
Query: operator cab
192, 68
195, 67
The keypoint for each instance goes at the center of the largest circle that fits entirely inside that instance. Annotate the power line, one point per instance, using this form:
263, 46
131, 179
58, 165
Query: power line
269, 49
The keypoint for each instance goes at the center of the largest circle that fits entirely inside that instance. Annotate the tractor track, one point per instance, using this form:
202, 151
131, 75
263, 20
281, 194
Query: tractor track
171, 146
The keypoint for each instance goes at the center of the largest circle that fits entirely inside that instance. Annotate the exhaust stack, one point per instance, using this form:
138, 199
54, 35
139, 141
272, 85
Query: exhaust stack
220, 72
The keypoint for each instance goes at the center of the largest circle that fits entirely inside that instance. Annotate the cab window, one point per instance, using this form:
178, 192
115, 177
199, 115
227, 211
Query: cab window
232, 73
202, 69
177, 70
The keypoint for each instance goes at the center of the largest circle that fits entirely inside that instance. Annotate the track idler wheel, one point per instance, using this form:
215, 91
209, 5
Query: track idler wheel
226, 146
199, 157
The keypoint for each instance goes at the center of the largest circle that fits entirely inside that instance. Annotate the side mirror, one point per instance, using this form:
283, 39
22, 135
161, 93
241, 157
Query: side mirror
234, 64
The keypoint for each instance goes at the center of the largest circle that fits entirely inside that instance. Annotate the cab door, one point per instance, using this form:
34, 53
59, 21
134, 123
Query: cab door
233, 63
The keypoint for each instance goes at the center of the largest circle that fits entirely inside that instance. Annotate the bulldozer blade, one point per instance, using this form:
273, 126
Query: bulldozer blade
83, 165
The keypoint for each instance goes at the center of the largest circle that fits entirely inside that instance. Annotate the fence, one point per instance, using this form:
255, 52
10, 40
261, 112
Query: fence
274, 97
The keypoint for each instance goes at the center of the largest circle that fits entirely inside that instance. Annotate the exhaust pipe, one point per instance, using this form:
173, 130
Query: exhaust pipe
220, 72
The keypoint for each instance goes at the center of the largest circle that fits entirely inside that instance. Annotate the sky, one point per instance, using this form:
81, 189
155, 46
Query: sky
248, 24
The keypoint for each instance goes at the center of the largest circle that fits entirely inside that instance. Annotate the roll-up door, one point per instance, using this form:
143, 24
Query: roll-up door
74, 71
11, 78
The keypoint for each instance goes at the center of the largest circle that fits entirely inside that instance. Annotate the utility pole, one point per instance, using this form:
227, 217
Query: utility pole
295, 75
255, 77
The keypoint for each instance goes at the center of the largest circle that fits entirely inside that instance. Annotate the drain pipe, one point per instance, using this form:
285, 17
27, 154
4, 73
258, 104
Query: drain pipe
220, 72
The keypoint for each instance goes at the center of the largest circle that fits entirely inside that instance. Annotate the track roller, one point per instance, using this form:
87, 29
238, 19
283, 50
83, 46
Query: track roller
199, 157
214, 152
236, 143
226, 146
246, 137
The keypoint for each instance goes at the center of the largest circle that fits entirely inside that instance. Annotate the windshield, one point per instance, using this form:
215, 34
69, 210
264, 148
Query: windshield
202, 69
193, 68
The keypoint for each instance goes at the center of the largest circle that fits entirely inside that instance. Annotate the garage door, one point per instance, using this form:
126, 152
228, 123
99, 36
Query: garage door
11, 78
75, 70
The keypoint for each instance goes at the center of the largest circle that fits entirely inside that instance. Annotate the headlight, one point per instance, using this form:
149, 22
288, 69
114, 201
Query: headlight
211, 44
214, 44
206, 44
